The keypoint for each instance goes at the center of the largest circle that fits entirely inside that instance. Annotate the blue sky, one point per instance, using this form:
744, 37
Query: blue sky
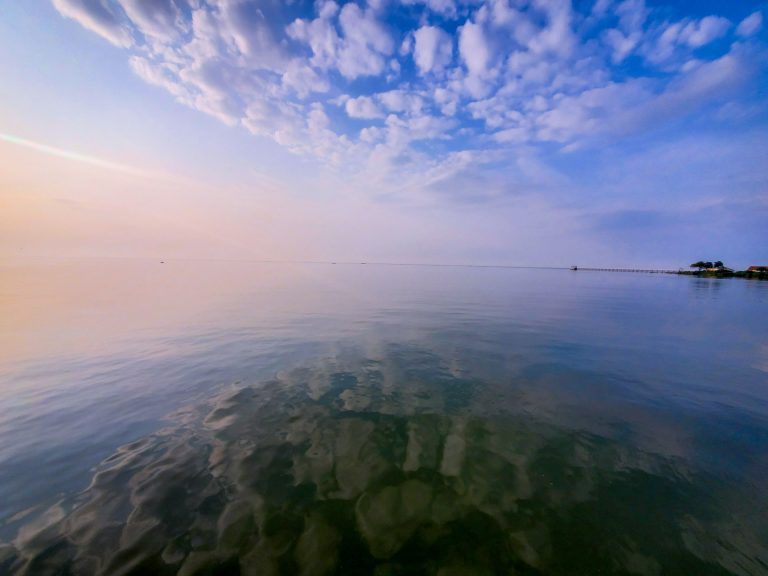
504, 131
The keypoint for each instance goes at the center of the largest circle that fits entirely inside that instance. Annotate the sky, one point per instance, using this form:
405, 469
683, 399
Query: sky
517, 132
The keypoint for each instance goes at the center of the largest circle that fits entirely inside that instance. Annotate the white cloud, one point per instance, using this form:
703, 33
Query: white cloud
154, 17
445, 7
639, 105
402, 101
366, 41
247, 28
446, 100
327, 8
97, 16
632, 15
211, 85
590, 112
750, 25
277, 120
372, 134
320, 35
621, 44
362, 107
419, 128
519, 23
474, 49
158, 76
303, 79
359, 51
557, 36
624, 39
709, 28
600, 8
205, 36
433, 49
516, 135
673, 41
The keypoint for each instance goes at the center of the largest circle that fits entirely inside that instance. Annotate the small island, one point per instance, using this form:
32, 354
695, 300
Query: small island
718, 270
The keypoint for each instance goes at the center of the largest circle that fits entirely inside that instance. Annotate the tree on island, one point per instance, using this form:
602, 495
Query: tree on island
701, 265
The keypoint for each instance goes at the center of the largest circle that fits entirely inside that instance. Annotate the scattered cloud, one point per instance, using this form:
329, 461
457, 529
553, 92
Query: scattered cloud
350, 40
433, 49
751, 25
474, 49
697, 34
380, 87
153, 17
363, 107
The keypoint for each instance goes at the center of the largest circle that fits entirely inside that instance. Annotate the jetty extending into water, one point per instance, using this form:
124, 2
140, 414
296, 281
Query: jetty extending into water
639, 270
754, 272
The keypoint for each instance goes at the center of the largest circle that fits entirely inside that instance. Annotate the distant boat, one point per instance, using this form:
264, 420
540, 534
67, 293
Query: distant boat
574, 267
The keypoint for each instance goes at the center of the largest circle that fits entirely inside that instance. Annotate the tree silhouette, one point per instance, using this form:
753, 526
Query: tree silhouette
702, 265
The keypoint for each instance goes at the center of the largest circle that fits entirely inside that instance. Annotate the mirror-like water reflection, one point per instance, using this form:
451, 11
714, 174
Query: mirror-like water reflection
393, 465
230, 418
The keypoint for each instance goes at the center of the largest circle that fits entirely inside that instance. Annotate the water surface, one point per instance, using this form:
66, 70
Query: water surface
244, 418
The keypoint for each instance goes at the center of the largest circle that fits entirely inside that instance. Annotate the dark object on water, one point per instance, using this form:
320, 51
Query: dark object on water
574, 267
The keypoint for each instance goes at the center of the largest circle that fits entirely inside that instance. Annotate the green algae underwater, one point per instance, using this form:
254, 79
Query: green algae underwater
396, 465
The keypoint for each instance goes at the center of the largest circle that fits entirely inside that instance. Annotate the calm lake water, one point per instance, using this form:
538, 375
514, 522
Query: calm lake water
247, 418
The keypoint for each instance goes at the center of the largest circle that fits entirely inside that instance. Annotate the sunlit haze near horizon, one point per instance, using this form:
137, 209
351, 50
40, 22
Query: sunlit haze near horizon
512, 132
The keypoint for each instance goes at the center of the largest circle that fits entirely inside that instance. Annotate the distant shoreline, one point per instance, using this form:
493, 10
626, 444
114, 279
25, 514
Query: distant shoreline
749, 274
724, 274
758, 275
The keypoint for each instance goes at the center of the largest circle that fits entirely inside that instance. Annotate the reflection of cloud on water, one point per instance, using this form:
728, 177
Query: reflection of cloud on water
389, 466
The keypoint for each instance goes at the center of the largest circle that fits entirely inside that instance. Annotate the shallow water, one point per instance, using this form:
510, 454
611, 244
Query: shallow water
225, 418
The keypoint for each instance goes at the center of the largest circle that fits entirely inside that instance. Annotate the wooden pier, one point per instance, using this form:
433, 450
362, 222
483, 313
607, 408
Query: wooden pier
637, 270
